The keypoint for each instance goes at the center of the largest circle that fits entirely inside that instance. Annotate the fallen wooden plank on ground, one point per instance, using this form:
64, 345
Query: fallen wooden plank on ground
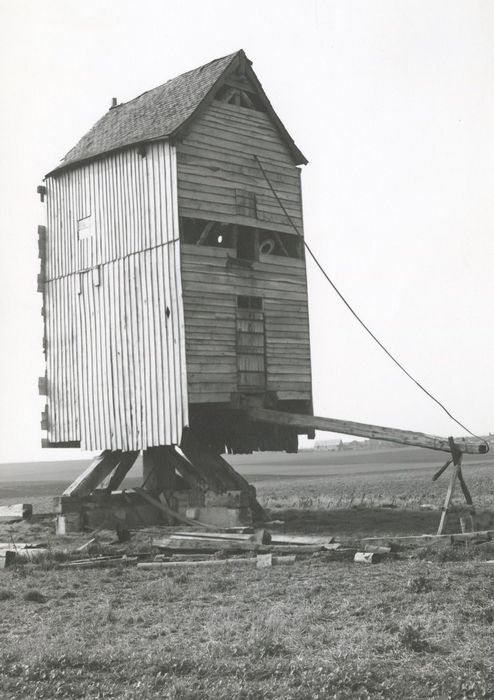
301, 539
426, 539
210, 546
260, 536
100, 562
214, 563
17, 511
183, 557
341, 554
22, 545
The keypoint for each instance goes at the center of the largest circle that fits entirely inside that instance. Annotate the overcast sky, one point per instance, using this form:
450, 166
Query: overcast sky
393, 105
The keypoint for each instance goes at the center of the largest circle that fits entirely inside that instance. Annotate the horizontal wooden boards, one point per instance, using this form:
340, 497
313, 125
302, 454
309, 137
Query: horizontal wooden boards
216, 364
216, 157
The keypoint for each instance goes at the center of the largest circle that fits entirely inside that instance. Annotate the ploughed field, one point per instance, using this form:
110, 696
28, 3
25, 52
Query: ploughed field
418, 626
396, 477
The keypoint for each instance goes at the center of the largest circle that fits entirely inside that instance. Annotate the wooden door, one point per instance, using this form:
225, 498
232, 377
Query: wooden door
251, 354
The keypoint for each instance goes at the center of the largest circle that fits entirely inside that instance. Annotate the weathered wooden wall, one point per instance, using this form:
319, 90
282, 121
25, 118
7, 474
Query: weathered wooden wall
210, 290
113, 303
215, 159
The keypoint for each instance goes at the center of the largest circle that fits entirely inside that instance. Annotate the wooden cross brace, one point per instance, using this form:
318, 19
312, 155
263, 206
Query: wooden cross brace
456, 458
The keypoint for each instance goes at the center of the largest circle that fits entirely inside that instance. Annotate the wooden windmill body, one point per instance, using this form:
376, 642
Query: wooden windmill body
174, 290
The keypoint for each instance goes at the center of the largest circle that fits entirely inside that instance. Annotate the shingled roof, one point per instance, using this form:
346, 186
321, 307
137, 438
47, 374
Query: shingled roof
162, 112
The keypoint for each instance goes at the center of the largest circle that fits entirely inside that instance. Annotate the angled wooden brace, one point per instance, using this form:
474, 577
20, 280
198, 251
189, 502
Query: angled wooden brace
456, 458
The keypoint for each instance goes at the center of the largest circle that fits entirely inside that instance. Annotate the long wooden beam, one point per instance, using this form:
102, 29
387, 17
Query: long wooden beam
375, 432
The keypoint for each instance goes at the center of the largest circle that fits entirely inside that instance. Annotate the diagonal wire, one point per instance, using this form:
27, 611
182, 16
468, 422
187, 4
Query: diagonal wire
355, 314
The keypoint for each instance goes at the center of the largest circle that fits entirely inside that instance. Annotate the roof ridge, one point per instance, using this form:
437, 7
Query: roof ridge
162, 112
181, 75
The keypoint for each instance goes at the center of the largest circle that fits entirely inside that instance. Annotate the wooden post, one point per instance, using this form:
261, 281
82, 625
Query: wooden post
457, 458
158, 470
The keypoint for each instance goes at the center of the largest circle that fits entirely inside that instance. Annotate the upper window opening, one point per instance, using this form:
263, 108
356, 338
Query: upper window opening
279, 243
249, 243
240, 93
210, 233
246, 243
85, 228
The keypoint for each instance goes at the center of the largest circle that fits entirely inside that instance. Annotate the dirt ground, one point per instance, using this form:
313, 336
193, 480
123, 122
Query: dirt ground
420, 625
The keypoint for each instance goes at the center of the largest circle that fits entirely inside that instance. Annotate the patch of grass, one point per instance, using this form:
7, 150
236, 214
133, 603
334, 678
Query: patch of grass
34, 596
318, 629
6, 594
412, 637
419, 584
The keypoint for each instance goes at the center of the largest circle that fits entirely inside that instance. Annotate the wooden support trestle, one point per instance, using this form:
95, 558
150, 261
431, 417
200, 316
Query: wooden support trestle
192, 485
456, 459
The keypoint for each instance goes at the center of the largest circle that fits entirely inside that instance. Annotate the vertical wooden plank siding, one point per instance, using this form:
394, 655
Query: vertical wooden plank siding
115, 324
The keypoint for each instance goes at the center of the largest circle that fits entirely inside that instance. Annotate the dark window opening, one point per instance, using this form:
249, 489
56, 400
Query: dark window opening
278, 243
253, 303
210, 233
250, 243
246, 243
239, 95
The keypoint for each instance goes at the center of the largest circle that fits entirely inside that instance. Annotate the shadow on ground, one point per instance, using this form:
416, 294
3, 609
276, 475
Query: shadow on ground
362, 522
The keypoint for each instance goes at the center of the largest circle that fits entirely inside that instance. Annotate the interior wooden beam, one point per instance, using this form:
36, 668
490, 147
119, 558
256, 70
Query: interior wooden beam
205, 233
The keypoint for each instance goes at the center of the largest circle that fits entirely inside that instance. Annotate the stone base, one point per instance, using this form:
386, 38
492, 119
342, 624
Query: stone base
127, 510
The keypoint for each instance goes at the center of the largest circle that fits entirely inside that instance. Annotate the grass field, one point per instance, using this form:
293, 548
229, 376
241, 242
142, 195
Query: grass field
420, 626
